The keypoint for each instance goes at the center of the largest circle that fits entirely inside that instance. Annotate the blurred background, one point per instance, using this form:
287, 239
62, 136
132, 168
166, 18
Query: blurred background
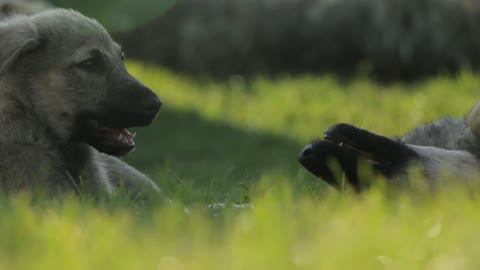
386, 39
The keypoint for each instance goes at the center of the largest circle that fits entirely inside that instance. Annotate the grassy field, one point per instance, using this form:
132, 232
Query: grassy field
237, 142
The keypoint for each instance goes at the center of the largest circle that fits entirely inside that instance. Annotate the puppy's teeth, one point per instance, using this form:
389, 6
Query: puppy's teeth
340, 144
133, 135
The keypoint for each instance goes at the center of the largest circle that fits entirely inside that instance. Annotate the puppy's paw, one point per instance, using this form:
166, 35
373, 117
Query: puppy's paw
318, 157
381, 149
349, 135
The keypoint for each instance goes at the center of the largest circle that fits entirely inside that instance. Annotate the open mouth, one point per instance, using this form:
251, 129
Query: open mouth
115, 136
113, 141
107, 131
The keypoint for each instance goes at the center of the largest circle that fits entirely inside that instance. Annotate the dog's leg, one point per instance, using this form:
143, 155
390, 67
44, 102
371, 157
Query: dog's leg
122, 175
348, 145
382, 150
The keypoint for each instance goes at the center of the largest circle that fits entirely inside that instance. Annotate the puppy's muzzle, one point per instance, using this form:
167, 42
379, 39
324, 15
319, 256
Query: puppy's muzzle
148, 107
151, 106
130, 104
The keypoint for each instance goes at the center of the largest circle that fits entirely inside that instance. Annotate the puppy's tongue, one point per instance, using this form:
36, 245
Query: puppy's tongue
116, 136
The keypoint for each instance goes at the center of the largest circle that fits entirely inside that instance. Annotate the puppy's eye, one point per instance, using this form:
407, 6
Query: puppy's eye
88, 64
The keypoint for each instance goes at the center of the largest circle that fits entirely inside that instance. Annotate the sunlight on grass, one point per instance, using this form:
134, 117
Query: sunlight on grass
279, 231
303, 107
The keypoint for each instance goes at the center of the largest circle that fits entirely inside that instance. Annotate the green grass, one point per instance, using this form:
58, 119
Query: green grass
237, 142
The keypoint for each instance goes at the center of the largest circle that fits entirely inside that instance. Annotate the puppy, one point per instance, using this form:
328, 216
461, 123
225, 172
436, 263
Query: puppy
66, 101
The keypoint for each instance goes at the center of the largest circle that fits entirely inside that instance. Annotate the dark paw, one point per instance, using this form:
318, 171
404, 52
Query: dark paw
382, 150
316, 157
350, 145
349, 135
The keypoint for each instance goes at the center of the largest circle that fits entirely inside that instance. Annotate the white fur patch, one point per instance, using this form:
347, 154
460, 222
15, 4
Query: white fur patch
454, 162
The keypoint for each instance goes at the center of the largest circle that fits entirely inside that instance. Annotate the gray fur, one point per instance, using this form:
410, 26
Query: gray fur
42, 96
447, 145
437, 161
26, 7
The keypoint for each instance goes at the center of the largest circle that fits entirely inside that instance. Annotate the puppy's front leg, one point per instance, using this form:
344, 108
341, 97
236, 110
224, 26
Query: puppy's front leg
383, 150
122, 175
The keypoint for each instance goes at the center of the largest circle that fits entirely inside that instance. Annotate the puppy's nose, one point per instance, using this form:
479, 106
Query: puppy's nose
152, 105
306, 151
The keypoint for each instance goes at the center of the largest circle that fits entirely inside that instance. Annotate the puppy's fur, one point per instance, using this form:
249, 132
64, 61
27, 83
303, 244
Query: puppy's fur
27, 7
65, 101
448, 145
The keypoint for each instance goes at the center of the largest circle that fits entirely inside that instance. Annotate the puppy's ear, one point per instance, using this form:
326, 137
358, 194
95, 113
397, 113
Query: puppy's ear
17, 36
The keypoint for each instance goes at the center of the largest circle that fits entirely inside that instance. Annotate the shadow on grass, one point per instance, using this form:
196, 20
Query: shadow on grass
214, 157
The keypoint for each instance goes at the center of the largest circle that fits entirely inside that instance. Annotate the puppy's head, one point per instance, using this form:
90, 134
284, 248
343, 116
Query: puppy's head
73, 74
